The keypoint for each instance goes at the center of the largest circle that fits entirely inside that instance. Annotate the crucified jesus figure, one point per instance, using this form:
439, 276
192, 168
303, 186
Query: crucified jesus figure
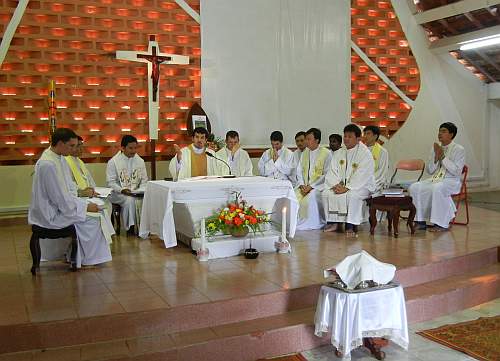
155, 60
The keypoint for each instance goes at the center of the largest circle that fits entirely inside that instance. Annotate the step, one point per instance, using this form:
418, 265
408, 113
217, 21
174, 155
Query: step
29, 336
292, 331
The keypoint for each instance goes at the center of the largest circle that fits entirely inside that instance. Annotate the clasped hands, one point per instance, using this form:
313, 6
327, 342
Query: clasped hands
305, 190
87, 192
438, 153
339, 188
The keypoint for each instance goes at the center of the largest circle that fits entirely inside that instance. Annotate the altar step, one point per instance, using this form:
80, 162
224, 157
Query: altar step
285, 333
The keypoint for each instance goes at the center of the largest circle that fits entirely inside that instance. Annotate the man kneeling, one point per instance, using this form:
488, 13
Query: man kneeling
349, 181
55, 205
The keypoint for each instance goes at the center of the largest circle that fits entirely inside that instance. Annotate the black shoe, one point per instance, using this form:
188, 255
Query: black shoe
131, 231
421, 225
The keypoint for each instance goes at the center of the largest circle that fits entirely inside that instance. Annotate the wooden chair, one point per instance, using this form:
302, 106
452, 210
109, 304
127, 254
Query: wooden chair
462, 196
409, 165
40, 232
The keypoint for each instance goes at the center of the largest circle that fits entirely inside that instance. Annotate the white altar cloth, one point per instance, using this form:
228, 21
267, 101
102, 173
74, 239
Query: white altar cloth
170, 207
352, 316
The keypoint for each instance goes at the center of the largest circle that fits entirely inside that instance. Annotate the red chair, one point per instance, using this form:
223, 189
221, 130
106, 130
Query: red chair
409, 165
462, 196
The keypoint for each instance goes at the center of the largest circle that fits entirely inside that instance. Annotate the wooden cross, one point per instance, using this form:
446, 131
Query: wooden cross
153, 57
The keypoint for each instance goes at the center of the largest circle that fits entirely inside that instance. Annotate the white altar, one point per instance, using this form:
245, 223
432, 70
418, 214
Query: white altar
170, 207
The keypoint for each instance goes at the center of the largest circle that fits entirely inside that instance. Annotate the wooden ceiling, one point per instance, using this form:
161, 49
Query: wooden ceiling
483, 62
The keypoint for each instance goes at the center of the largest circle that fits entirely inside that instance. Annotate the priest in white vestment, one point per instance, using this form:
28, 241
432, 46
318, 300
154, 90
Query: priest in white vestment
380, 156
276, 162
126, 174
311, 171
55, 205
300, 142
432, 197
237, 158
194, 160
348, 183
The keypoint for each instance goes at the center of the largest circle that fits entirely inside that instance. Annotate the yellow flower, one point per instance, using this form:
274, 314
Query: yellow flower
355, 165
342, 162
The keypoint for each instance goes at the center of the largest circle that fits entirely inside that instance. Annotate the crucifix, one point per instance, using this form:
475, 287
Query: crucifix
153, 57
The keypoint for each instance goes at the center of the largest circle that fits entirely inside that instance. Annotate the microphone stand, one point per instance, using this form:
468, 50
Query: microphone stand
223, 161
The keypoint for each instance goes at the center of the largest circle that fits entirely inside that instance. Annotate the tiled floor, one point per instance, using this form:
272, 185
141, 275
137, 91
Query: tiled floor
420, 349
144, 275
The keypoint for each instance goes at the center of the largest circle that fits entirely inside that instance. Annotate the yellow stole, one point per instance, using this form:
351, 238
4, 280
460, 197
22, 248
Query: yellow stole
376, 150
80, 177
318, 165
198, 163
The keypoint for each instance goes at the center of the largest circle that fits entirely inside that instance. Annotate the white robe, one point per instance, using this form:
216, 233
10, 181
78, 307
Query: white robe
382, 172
182, 170
281, 169
240, 162
296, 160
433, 199
315, 216
54, 205
359, 179
123, 172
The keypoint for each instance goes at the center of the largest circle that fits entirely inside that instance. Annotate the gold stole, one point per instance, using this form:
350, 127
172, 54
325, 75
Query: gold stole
376, 150
198, 163
80, 177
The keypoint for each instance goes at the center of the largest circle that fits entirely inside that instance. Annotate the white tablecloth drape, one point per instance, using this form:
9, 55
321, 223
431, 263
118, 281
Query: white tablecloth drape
195, 198
352, 316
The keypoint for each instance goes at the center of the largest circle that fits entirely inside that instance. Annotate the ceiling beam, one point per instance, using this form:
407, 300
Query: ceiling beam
10, 30
452, 42
457, 8
473, 19
488, 59
478, 67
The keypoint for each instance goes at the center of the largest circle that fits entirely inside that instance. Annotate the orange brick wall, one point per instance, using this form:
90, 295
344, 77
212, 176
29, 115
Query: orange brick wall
376, 30
73, 43
101, 98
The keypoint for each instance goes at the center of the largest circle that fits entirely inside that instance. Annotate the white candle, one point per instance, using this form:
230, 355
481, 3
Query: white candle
203, 235
283, 224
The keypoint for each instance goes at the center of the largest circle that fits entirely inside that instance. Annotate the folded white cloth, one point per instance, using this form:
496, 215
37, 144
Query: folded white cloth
363, 267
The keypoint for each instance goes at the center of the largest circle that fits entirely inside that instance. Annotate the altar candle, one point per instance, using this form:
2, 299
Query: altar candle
203, 236
283, 224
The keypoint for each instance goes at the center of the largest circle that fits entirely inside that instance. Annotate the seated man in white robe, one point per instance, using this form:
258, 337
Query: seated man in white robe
126, 174
194, 160
311, 171
54, 204
380, 155
276, 162
300, 142
237, 158
348, 183
432, 197
334, 142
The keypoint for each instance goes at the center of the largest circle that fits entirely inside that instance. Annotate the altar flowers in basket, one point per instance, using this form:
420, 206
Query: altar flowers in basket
237, 218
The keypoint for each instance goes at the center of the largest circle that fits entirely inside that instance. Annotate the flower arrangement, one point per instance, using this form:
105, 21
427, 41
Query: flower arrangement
237, 218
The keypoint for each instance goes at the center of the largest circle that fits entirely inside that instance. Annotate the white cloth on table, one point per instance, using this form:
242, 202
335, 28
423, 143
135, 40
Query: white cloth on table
182, 169
354, 168
432, 198
54, 205
281, 169
197, 198
123, 172
240, 162
351, 316
361, 267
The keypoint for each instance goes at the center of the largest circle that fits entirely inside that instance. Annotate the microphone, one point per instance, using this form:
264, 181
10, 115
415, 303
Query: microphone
223, 161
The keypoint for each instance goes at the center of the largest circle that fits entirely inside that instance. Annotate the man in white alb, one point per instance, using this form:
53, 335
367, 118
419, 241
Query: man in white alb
194, 160
276, 162
432, 197
348, 183
237, 158
126, 174
55, 205
380, 156
81, 175
300, 142
314, 164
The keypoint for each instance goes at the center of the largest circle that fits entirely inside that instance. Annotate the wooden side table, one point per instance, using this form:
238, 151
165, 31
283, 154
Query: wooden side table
393, 206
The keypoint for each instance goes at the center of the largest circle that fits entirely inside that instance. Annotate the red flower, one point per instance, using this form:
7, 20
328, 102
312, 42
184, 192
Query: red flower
253, 220
227, 222
238, 221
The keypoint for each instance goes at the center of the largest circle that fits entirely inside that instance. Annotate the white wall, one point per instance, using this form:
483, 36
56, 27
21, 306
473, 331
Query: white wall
275, 65
449, 92
494, 145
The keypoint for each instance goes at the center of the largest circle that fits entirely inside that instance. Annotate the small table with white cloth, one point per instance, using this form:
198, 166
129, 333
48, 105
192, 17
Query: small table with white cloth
354, 319
170, 207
